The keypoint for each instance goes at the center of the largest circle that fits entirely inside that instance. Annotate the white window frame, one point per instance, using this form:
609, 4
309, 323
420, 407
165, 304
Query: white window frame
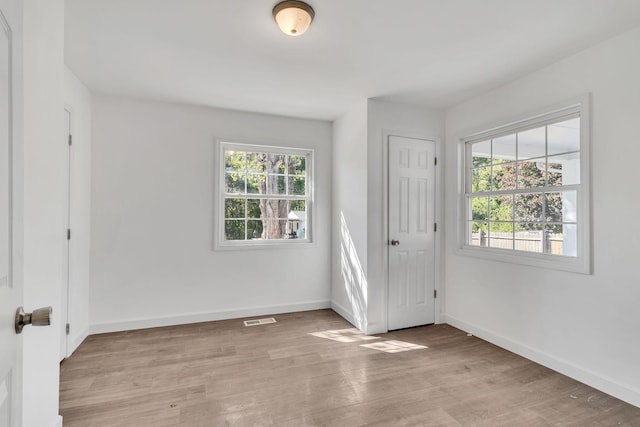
220, 243
582, 263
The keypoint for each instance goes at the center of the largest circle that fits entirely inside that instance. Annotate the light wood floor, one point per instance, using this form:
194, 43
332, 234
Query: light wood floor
226, 374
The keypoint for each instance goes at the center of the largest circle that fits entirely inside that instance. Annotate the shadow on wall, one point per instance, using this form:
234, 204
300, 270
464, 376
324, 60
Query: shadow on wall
354, 279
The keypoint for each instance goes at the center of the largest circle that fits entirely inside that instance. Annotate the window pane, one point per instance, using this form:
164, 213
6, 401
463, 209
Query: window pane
255, 163
234, 208
254, 229
277, 163
553, 207
276, 184
528, 237
479, 208
480, 154
297, 205
253, 208
563, 169
504, 176
569, 206
297, 165
501, 208
504, 149
256, 184
275, 219
564, 137
297, 185
501, 235
562, 239
275, 208
234, 230
478, 233
561, 206
553, 239
234, 182
528, 207
275, 228
481, 179
531, 174
297, 220
234, 161
531, 143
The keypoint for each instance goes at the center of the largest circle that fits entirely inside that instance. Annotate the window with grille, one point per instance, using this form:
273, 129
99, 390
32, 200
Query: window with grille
526, 194
265, 195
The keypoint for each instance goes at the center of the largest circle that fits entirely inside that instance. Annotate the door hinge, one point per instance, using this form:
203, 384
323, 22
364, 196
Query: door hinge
68, 329
435, 227
68, 234
435, 161
435, 295
70, 140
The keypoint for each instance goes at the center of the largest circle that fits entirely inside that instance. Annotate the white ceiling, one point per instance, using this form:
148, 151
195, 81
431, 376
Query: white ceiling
230, 54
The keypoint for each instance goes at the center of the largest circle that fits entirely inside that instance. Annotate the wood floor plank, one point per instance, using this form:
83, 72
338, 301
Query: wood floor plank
226, 374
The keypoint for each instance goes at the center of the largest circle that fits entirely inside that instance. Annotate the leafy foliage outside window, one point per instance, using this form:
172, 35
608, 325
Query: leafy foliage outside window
266, 195
522, 189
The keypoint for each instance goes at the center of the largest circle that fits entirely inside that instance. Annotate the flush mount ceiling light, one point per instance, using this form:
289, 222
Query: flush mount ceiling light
293, 17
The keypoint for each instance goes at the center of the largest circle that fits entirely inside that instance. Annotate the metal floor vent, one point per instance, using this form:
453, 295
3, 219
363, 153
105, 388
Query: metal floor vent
259, 321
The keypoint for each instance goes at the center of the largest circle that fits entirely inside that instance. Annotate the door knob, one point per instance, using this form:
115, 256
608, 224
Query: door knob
39, 317
395, 243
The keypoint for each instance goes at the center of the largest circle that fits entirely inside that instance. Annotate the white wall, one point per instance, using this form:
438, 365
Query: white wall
152, 261
360, 241
44, 178
349, 236
405, 120
78, 100
585, 326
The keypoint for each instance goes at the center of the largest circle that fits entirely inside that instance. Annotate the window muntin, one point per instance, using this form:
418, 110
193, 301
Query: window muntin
522, 188
266, 197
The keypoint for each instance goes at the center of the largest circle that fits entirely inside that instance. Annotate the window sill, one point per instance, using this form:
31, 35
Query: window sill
263, 244
553, 262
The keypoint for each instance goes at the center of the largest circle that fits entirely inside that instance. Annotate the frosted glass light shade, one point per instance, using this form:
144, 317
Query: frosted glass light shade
293, 17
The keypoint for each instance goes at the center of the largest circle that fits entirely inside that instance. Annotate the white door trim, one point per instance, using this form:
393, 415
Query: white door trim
66, 292
386, 133
12, 289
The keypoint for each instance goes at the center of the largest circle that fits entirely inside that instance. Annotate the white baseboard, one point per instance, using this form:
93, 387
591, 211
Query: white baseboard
347, 315
182, 319
75, 342
376, 328
58, 422
343, 312
603, 383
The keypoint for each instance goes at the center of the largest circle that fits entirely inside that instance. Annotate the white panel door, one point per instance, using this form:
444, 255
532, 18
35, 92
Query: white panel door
10, 211
411, 300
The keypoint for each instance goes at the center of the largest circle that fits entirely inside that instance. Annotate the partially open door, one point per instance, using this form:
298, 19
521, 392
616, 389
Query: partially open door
10, 210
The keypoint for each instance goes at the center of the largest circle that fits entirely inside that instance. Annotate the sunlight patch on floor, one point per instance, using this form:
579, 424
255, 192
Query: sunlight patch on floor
344, 335
393, 346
